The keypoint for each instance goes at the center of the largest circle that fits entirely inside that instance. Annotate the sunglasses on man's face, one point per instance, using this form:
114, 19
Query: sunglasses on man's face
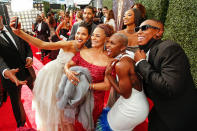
145, 27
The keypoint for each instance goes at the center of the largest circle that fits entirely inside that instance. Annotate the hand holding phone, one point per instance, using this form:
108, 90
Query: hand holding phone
16, 23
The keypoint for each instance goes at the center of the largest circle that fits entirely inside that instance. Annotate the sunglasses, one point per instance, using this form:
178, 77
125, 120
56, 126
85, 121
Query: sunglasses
145, 27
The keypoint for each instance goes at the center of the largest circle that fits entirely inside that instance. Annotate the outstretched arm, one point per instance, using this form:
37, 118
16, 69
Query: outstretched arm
37, 42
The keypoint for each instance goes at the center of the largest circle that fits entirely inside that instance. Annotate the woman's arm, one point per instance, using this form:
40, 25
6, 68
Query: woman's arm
71, 19
58, 29
44, 45
106, 85
37, 42
102, 86
71, 74
123, 87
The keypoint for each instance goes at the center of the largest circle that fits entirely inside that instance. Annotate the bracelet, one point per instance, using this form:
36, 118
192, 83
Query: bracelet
91, 87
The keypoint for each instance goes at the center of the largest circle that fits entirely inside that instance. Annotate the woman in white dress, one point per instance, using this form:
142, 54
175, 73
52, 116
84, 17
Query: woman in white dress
48, 116
110, 19
132, 107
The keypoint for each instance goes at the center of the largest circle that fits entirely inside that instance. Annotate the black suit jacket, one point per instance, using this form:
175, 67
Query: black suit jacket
169, 84
12, 58
44, 33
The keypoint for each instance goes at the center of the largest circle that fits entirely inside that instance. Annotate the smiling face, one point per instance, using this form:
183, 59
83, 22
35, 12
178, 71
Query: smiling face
145, 36
116, 45
104, 10
98, 37
82, 35
129, 17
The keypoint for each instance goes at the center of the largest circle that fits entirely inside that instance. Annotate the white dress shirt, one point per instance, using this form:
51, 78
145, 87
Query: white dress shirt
12, 39
147, 55
10, 36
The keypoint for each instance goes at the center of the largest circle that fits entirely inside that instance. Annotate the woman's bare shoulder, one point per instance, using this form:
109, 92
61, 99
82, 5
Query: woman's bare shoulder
121, 31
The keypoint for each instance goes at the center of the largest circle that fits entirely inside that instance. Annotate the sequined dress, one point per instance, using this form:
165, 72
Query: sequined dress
97, 73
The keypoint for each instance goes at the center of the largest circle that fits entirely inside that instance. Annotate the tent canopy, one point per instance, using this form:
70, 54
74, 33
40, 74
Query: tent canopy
82, 2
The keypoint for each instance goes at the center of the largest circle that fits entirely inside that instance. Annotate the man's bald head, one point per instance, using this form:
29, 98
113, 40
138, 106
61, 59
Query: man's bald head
157, 23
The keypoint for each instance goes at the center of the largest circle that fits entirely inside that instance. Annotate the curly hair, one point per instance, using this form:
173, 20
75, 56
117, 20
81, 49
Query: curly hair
108, 29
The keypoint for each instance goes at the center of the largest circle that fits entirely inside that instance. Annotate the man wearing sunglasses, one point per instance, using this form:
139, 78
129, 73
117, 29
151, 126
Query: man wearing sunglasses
167, 80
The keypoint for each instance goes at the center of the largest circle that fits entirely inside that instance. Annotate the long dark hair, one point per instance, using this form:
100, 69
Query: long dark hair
87, 26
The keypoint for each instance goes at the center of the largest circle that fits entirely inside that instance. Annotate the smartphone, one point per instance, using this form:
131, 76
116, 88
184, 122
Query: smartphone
16, 23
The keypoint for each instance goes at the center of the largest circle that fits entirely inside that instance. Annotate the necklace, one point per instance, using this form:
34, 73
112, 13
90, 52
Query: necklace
129, 31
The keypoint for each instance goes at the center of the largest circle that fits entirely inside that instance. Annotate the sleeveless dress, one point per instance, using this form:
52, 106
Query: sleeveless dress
125, 114
97, 74
48, 116
64, 32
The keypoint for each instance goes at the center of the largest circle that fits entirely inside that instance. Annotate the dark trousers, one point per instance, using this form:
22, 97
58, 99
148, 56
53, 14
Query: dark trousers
15, 96
2, 93
155, 123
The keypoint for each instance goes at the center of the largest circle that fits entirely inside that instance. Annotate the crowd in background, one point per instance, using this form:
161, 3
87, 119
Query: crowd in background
60, 24
129, 65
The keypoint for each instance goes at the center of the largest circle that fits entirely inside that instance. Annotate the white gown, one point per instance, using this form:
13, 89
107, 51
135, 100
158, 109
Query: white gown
129, 112
48, 116
126, 114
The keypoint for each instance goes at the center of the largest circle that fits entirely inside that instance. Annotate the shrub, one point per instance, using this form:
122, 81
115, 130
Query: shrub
108, 3
181, 26
155, 9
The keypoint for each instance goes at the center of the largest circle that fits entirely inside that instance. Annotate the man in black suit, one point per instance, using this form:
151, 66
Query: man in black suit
15, 63
88, 16
42, 32
167, 79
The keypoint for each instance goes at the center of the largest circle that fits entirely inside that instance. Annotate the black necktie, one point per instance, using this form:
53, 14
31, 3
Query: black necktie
7, 37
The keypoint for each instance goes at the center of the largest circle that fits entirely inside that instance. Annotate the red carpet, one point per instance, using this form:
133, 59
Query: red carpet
7, 120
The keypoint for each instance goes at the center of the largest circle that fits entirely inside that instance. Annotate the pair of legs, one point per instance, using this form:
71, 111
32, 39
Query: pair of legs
15, 96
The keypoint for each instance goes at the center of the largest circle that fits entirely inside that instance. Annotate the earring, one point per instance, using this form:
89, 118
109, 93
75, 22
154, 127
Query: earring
104, 47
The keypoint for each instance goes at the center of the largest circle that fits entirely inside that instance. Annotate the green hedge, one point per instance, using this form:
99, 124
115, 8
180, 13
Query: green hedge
156, 9
108, 3
181, 26
46, 7
180, 20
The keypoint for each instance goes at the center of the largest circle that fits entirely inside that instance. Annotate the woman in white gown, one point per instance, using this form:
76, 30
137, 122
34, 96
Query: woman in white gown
48, 116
